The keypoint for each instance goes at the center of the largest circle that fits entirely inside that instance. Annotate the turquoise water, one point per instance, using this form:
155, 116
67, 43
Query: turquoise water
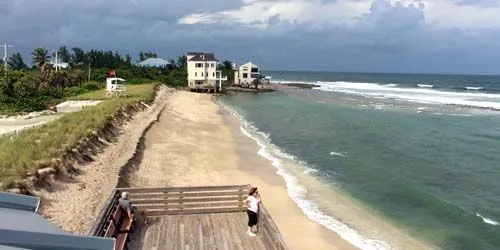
432, 172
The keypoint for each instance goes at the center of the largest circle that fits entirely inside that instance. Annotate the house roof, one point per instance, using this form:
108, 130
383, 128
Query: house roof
154, 62
23, 228
201, 57
249, 64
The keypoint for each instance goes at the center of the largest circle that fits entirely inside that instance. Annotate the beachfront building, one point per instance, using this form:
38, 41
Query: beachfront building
202, 72
22, 227
246, 74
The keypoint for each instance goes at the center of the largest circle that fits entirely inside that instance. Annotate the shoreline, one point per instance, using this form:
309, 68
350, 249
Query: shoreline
341, 214
298, 230
196, 143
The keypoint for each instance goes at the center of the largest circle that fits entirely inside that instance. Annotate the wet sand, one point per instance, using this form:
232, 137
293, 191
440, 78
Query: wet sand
198, 143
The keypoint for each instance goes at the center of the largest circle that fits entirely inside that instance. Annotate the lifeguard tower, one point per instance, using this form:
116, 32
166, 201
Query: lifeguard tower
115, 86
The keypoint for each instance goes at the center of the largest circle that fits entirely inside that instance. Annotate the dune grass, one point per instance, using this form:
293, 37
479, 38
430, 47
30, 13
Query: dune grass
132, 91
36, 148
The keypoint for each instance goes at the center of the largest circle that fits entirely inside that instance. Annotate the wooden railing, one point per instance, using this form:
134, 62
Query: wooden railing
188, 200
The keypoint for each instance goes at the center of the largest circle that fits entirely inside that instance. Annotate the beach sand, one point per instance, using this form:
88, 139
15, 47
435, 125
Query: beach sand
197, 143
74, 202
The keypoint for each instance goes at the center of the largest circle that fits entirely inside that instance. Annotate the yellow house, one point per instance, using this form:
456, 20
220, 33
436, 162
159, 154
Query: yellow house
246, 74
202, 72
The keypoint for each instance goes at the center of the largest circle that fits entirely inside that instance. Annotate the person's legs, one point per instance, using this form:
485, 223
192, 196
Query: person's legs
254, 228
144, 218
252, 221
142, 212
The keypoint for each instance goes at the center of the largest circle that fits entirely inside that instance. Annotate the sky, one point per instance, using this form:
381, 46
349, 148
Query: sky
405, 36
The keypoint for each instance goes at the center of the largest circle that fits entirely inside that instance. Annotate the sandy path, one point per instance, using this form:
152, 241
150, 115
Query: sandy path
74, 208
193, 144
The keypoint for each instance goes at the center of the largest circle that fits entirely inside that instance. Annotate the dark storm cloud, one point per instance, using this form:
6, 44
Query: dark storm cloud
390, 37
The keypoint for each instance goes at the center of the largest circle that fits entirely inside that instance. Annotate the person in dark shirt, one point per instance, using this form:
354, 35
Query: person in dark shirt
131, 210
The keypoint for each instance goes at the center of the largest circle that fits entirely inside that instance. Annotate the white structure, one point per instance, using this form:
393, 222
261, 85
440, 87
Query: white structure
203, 73
114, 86
75, 106
246, 74
154, 63
59, 65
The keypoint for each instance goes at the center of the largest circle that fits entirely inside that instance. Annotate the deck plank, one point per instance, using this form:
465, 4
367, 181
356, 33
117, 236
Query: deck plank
219, 231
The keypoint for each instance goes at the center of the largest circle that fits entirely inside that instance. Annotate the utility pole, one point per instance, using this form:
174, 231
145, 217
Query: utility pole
56, 64
5, 46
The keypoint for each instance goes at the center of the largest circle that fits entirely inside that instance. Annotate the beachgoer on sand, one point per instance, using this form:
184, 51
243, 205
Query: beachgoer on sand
252, 203
131, 210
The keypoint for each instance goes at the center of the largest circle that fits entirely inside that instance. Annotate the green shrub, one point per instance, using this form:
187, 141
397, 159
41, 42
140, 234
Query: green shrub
35, 148
93, 85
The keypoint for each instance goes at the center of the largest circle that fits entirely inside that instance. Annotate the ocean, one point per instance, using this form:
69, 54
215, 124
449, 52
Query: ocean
417, 151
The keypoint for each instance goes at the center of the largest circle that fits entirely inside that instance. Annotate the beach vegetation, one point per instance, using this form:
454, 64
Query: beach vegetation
38, 147
16, 62
25, 89
227, 70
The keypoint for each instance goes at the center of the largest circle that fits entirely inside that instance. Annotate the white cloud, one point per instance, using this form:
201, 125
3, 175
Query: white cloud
295, 11
438, 13
453, 14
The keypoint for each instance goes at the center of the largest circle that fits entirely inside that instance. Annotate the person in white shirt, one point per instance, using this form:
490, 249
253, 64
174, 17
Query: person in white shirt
252, 204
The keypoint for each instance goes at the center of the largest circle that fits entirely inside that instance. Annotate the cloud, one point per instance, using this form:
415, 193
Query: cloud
439, 13
343, 35
297, 11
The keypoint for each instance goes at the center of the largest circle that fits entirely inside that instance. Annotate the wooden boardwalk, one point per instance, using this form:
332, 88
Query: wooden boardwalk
209, 217
225, 231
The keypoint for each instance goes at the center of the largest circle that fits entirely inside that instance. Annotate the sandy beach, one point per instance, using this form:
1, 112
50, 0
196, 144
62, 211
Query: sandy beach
73, 202
196, 142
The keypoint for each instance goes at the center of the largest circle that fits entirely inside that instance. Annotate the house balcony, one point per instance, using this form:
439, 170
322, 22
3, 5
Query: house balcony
255, 75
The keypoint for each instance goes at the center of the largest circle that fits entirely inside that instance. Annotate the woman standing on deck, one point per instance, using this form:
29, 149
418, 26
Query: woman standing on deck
252, 204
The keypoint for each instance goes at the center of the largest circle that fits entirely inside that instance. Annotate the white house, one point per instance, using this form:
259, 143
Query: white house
203, 73
246, 74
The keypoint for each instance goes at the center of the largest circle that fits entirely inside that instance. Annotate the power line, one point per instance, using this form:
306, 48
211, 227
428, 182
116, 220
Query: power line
5, 46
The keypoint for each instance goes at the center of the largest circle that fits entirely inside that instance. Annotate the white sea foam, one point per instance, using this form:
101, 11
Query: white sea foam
473, 88
298, 193
419, 95
488, 220
425, 86
338, 154
289, 82
310, 170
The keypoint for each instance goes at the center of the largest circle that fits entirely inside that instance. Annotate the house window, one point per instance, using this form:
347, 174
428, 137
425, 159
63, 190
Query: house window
195, 74
213, 74
255, 70
201, 73
245, 75
199, 65
245, 68
213, 65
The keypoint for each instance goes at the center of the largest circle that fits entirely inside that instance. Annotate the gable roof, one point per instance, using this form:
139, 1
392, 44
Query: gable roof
201, 57
154, 62
23, 228
249, 64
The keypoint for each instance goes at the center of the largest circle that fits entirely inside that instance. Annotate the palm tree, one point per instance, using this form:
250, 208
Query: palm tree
182, 62
40, 56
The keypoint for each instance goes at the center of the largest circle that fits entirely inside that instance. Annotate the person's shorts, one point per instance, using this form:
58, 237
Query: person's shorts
133, 209
253, 218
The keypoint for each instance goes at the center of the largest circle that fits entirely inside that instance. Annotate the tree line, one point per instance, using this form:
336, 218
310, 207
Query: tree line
30, 88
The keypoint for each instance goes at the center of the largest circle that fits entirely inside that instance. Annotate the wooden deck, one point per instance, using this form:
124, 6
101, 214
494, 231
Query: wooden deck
225, 231
209, 217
